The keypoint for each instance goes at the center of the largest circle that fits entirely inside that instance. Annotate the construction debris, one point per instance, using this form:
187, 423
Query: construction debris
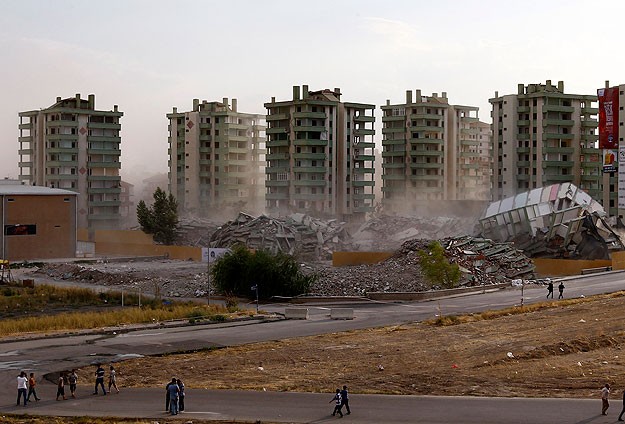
298, 234
558, 221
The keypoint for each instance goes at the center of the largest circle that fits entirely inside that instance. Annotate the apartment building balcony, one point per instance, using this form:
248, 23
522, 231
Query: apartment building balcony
558, 164
393, 130
426, 141
558, 108
277, 130
426, 128
205, 125
363, 132
522, 109
310, 142
25, 151
103, 190
276, 196
522, 150
590, 151
522, 163
309, 128
469, 166
53, 163
364, 157
25, 126
363, 170
92, 164
104, 178
276, 117
393, 141
393, 118
61, 123
566, 150
276, 183
25, 139
106, 152
548, 179
469, 142
363, 196
522, 123
591, 164
277, 169
200, 162
589, 137
523, 177
589, 123
243, 162
357, 183
429, 116
310, 169
307, 155
69, 150
277, 156
394, 177
393, 165
64, 177
364, 118
423, 165
102, 216
393, 154
310, 115
365, 145
552, 136
417, 153
104, 126
309, 196
69, 137
234, 126
589, 111
104, 138
595, 178
278, 143
310, 183
426, 178
523, 136
104, 203
560, 122
362, 209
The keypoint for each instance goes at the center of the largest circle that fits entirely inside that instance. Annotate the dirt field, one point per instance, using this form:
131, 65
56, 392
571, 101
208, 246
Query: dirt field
566, 351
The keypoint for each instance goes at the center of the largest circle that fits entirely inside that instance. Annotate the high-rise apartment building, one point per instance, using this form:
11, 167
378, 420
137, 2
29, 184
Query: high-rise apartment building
433, 150
71, 145
320, 155
216, 158
543, 136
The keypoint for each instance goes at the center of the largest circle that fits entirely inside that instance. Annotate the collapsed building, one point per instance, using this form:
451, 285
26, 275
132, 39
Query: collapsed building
556, 221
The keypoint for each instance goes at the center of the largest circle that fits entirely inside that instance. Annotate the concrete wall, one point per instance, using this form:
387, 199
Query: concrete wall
563, 267
358, 258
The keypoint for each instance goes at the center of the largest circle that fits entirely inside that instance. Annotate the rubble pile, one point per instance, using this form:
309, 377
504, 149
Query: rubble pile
482, 262
194, 231
298, 234
387, 233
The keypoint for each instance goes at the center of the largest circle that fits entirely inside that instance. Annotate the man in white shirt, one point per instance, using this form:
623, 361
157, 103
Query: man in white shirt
605, 393
22, 387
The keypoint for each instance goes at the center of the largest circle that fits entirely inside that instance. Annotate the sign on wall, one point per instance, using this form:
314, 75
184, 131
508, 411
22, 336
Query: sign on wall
608, 117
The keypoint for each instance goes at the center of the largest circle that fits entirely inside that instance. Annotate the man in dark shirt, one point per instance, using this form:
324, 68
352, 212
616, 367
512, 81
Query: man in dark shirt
345, 400
99, 379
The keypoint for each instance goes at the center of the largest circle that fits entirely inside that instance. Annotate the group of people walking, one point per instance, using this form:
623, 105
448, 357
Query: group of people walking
174, 397
26, 387
99, 379
341, 399
560, 290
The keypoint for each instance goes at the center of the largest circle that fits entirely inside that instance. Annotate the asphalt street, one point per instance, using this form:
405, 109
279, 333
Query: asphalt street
55, 354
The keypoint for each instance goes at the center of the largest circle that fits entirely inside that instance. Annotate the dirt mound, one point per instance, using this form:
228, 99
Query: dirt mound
585, 344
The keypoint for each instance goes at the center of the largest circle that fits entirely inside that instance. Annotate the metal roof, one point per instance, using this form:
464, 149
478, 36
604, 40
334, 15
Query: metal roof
18, 189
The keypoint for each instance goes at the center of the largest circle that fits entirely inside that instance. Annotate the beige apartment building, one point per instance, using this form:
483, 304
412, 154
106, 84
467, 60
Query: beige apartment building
320, 155
71, 145
543, 136
433, 151
216, 159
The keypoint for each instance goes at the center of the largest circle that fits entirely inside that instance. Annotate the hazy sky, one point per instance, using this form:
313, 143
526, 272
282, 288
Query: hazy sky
148, 56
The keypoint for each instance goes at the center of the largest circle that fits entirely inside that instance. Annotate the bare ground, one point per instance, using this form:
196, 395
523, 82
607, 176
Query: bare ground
566, 351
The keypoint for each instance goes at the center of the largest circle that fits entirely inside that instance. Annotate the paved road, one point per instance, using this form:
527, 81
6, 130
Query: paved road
49, 355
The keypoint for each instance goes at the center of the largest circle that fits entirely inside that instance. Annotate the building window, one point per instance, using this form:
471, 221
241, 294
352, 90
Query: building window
20, 230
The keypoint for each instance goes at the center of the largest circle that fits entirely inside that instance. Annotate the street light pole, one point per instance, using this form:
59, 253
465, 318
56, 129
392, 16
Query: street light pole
208, 278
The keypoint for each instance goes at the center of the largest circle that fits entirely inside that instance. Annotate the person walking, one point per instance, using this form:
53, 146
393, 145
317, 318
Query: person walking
550, 290
31, 387
337, 403
174, 392
22, 387
605, 394
345, 400
620, 417
99, 379
60, 387
73, 381
561, 290
180, 395
112, 379
167, 395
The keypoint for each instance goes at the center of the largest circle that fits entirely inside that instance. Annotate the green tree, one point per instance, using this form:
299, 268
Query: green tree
436, 268
161, 219
276, 275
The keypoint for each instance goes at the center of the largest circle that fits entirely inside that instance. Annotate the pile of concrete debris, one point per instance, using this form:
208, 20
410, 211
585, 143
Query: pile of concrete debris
386, 232
298, 234
482, 262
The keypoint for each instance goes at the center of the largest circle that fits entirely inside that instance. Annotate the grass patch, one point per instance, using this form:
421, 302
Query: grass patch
445, 320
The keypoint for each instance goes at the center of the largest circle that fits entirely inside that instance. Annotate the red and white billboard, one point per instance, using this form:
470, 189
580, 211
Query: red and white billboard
608, 118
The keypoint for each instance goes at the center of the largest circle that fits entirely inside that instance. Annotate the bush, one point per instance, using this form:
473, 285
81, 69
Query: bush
275, 275
436, 268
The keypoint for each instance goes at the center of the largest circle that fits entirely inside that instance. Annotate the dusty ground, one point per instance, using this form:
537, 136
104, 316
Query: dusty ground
567, 351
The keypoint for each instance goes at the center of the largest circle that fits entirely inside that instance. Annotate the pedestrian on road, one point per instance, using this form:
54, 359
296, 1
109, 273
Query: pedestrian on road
605, 393
338, 404
99, 380
167, 400
22, 387
31, 387
345, 400
561, 290
174, 392
620, 417
180, 395
73, 381
60, 387
112, 379
550, 290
